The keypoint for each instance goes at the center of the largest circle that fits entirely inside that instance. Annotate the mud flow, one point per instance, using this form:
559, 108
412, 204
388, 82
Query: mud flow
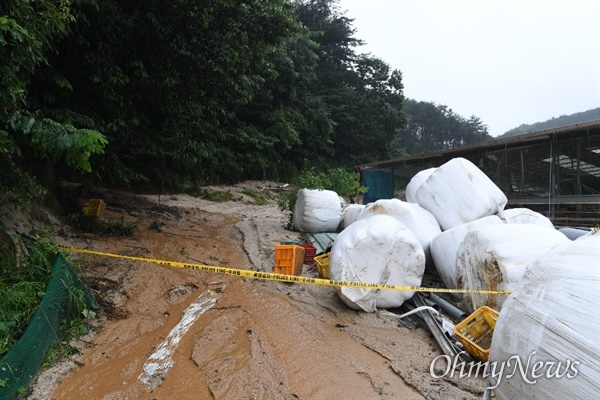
252, 339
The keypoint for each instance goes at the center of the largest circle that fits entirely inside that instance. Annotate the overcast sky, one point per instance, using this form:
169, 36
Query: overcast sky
506, 62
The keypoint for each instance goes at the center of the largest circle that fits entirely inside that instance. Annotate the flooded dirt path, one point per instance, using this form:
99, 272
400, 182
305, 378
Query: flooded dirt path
261, 339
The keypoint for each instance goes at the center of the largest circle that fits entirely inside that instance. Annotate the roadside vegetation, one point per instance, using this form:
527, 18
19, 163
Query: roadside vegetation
24, 271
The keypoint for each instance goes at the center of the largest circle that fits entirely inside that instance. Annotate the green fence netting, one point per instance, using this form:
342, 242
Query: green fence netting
25, 357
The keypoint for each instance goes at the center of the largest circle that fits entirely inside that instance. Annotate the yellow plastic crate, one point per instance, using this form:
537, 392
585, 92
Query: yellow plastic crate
289, 259
322, 263
475, 332
94, 208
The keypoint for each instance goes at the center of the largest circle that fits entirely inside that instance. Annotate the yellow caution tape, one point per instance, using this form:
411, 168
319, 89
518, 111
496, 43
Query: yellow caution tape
280, 277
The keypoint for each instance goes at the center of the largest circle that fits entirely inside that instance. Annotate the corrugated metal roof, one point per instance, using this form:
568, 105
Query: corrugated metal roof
508, 142
322, 241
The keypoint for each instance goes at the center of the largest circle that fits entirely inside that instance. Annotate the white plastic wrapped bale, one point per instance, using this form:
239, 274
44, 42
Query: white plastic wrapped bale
420, 221
444, 248
376, 250
350, 214
415, 183
525, 216
458, 192
495, 257
317, 211
550, 325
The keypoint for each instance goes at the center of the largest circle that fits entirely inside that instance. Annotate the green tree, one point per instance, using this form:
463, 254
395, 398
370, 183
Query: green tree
363, 95
166, 82
288, 115
433, 127
368, 124
28, 135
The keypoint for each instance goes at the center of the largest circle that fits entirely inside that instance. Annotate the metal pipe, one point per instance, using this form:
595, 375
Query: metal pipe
431, 303
437, 333
448, 307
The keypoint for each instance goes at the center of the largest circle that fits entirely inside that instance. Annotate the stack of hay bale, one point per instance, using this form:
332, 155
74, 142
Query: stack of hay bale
454, 222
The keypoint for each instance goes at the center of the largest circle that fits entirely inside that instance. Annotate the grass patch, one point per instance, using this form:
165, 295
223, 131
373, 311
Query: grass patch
218, 196
258, 197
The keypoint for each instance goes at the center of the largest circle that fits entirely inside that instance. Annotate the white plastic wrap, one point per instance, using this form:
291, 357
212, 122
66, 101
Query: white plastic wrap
415, 183
420, 221
458, 192
444, 248
376, 250
350, 214
552, 318
495, 257
525, 216
317, 211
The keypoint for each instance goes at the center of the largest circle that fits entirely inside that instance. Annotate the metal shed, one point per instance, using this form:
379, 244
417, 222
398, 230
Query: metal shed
555, 172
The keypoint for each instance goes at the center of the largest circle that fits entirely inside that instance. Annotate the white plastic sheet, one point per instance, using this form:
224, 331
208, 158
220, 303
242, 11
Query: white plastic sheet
496, 256
552, 318
417, 219
317, 211
458, 192
415, 183
444, 248
525, 216
161, 361
376, 250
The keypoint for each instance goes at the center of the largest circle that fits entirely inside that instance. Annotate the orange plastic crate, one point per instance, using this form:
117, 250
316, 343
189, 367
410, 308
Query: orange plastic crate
289, 259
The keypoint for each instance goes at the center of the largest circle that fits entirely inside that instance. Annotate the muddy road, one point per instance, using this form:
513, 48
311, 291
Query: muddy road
258, 340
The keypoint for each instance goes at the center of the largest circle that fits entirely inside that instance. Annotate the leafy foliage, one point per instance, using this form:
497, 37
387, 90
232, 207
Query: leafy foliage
57, 141
148, 92
168, 82
28, 31
363, 95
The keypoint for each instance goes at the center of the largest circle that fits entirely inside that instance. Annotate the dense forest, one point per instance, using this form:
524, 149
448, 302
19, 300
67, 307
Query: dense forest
563, 120
165, 93
433, 126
